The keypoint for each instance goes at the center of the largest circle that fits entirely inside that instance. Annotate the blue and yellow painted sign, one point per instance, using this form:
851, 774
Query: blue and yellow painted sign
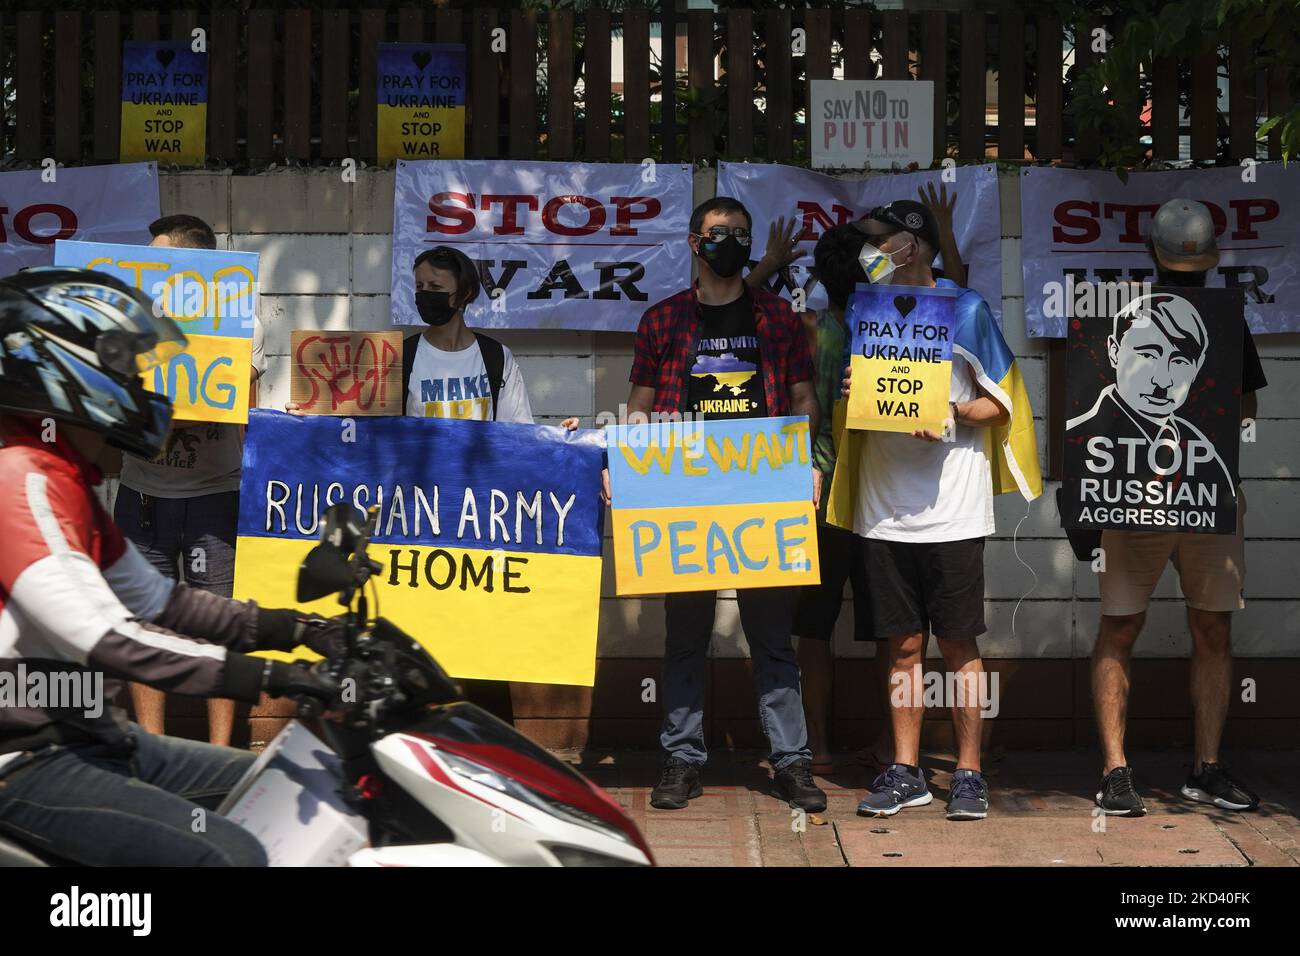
707, 505
489, 533
164, 103
421, 104
901, 358
212, 296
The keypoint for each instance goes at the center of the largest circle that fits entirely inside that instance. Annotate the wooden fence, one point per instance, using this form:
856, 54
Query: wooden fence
298, 86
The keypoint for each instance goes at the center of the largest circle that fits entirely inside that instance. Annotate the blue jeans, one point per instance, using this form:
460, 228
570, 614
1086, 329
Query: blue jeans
103, 806
766, 614
199, 532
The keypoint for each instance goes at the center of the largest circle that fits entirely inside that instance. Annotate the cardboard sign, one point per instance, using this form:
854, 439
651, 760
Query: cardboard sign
346, 373
901, 357
699, 506
861, 124
212, 296
421, 108
489, 533
164, 102
1153, 406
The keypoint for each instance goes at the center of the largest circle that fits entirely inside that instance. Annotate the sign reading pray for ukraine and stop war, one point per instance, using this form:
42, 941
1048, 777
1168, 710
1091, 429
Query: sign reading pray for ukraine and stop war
212, 296
489, 533
164, 102
421, 108
703, 505
901, 359
1153, 412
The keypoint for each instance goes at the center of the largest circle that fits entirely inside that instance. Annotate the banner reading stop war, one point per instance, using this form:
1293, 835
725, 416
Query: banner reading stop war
489, 533
771, 191
1091, 226
99, 203
558, 245
703, 505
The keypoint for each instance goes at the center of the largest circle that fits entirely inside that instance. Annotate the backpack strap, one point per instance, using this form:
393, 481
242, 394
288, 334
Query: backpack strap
410, 345
494, 360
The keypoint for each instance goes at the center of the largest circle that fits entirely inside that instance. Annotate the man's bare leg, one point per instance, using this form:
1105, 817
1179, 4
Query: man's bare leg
221, 721
149, 704
881, 752
1211, 679
906, 696
1110, 684
962, 658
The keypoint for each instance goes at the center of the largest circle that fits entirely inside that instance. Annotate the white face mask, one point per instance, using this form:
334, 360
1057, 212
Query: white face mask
877, 265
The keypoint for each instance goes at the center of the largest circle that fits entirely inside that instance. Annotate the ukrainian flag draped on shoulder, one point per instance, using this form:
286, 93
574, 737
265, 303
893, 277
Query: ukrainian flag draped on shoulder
1012, 448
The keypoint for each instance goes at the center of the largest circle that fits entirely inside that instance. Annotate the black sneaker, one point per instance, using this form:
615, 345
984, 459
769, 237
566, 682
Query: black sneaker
968, 797
1215, 785
893, 790
1117, 798
796, 784
679, 783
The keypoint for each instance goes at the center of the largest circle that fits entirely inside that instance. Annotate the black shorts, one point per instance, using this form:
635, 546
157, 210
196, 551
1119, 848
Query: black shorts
935, 587
841, 559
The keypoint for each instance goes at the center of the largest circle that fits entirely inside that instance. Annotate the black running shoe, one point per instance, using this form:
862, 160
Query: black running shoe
968, 798
1117, 798
679, 783
796, 784
1215, 785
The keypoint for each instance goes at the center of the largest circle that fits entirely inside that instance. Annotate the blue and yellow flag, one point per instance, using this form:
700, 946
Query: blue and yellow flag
421, 108
702, 506
212, 296
1012, 448
164, 103
489, 533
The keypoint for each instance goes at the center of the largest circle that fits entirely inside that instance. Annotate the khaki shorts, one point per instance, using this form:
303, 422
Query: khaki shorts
1211, 568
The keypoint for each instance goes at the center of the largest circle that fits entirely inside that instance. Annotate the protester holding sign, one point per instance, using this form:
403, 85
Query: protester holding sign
1211, 567
721, 350
182, 507
924, 505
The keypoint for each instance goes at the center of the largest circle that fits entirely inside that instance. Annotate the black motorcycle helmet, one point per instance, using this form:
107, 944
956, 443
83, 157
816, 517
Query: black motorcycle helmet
73, 343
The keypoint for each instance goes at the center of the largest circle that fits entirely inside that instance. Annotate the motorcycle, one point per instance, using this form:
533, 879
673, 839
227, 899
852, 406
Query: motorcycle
430, 778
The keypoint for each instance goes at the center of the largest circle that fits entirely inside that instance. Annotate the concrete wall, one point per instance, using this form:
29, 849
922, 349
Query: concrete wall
325, 264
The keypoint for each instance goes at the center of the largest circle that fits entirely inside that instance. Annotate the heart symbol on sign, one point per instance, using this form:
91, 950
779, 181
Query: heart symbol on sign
421, 59
165, 57
904, 304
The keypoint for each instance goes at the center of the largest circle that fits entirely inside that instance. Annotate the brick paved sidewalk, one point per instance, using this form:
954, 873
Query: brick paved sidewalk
1040, 814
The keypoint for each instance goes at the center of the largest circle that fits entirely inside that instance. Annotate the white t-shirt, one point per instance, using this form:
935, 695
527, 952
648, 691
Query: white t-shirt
910, 489
199, 458
455, 385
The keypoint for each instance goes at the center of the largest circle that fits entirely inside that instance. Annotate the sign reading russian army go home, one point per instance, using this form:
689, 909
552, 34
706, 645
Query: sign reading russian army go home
489, 533
164, 102
212, 296
901, 358
700, 506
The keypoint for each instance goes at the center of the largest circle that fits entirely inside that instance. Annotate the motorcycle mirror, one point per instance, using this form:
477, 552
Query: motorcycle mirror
327, 568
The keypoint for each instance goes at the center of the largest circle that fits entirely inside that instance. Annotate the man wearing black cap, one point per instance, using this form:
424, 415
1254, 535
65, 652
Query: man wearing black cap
922, 505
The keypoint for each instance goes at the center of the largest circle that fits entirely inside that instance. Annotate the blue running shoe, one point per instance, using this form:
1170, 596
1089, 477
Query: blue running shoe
968, 798
894, 789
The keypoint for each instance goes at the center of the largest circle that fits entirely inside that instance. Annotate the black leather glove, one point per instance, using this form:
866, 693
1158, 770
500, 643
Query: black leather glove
283, 629
289, 680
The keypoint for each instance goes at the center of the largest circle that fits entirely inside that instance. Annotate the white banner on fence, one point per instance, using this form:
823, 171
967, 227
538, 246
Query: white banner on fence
561, 245
871, 124
95, 203
1092, 225
771, 191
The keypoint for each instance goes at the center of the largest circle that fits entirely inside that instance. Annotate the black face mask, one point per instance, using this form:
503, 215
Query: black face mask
435, 307
725, 258
1184, 280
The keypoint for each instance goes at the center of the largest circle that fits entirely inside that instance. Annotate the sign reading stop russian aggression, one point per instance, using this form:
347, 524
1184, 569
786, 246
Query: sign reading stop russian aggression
489, 533
212, 295
421, 101
557, 245
1083, 227
164, 102
703, 505
1153, 412
901, 357
102, 203
862, 124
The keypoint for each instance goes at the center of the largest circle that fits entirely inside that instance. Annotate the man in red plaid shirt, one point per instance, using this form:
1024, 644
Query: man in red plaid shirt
721, 349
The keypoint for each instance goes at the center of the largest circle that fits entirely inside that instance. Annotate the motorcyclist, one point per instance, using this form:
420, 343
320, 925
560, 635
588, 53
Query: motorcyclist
81, 609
